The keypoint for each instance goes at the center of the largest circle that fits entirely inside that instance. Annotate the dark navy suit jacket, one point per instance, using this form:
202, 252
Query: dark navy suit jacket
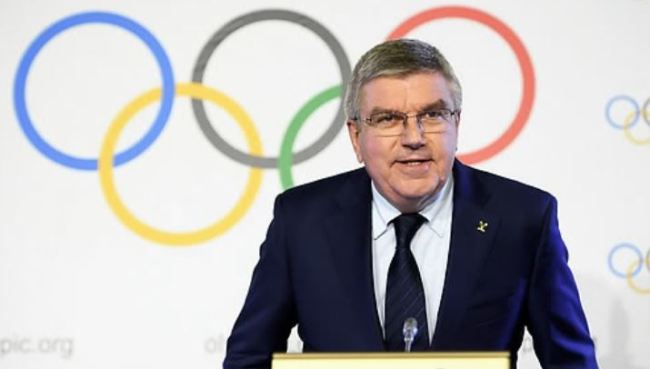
315, 270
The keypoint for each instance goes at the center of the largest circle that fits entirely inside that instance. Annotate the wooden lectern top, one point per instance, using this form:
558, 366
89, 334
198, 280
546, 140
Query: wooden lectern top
393, 360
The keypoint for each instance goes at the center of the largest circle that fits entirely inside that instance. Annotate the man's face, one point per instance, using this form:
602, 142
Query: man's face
408, 169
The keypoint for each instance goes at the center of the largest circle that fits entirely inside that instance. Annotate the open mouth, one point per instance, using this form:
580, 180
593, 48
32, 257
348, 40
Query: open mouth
413, 162
414, 167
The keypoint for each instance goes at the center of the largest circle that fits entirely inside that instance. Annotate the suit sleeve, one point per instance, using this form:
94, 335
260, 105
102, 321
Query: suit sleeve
268, 315
555, 317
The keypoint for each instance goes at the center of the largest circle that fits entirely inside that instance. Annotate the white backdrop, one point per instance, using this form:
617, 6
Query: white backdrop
82, 287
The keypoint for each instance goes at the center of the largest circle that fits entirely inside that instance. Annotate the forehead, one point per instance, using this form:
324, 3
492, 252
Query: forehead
405, 93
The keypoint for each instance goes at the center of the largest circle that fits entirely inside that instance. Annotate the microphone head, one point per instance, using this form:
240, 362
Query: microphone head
410, 329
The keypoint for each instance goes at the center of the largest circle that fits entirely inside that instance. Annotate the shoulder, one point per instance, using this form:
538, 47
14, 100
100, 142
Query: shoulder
327, 192
500, 191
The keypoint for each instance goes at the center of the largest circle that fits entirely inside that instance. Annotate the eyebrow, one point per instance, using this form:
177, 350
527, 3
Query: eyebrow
439, 104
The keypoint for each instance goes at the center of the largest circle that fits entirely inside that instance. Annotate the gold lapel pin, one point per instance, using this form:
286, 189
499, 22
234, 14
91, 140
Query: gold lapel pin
481, 226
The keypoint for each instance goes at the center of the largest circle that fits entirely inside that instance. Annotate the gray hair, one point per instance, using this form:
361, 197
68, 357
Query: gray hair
398, 58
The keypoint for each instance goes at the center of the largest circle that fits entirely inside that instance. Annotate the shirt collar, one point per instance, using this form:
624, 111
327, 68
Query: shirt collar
437, 212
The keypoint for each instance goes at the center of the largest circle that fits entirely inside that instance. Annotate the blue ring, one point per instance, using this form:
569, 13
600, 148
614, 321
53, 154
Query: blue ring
628, 246
637, 111
53, 30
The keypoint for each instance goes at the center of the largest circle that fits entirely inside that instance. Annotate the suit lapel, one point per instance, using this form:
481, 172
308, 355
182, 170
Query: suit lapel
472, 233
349, 237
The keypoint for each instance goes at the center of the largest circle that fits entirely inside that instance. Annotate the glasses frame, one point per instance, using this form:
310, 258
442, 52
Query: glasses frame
443, 116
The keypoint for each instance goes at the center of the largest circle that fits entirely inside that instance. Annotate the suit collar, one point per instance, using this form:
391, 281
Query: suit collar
437, 212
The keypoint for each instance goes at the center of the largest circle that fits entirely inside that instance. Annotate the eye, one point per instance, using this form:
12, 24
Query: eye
433, 114
384, 118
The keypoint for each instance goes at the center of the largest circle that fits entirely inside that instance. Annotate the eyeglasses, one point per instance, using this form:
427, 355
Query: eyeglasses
393, 123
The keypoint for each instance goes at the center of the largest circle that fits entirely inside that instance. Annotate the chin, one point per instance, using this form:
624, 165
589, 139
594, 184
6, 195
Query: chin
422, 186
419, 193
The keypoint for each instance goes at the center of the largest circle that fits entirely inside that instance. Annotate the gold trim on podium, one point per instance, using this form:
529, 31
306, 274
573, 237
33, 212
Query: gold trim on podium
393, 360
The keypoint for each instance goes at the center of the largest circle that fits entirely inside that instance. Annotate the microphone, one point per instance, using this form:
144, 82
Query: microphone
409, 330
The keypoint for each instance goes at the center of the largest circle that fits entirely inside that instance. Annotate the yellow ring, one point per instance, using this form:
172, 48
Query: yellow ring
630, 279
179, 238
628, 134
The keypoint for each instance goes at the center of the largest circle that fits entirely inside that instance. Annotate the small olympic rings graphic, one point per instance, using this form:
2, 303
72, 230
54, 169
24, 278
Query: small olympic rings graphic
635, 262
636, 113
199, 93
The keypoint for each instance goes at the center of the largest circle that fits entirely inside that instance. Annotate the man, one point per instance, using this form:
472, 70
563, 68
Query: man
473, 257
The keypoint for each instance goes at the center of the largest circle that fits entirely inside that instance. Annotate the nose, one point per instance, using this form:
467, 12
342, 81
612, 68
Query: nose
413, 134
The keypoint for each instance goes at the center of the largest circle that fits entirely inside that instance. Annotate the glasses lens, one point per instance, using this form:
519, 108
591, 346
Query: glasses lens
387, 122
435, 120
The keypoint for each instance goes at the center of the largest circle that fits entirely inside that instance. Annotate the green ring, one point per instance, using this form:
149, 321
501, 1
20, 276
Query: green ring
285, 160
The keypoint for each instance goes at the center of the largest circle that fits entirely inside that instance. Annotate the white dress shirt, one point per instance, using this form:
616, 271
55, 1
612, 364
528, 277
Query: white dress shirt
430, 247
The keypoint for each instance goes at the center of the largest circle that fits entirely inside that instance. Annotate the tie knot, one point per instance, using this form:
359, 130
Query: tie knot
405, 227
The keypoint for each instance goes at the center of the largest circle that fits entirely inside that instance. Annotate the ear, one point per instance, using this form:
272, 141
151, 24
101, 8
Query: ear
354, 132
457, 123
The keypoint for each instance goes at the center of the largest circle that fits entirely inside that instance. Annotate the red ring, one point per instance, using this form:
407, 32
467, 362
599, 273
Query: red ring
525, 64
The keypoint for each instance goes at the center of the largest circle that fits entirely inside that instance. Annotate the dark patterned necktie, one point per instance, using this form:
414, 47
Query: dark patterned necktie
404, 291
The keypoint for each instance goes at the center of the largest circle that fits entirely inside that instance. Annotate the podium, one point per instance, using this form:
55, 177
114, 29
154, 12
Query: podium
393, 360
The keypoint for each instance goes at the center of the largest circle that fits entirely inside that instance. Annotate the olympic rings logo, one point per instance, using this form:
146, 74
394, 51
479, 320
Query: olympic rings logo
108, 158
635, 114
626, 260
